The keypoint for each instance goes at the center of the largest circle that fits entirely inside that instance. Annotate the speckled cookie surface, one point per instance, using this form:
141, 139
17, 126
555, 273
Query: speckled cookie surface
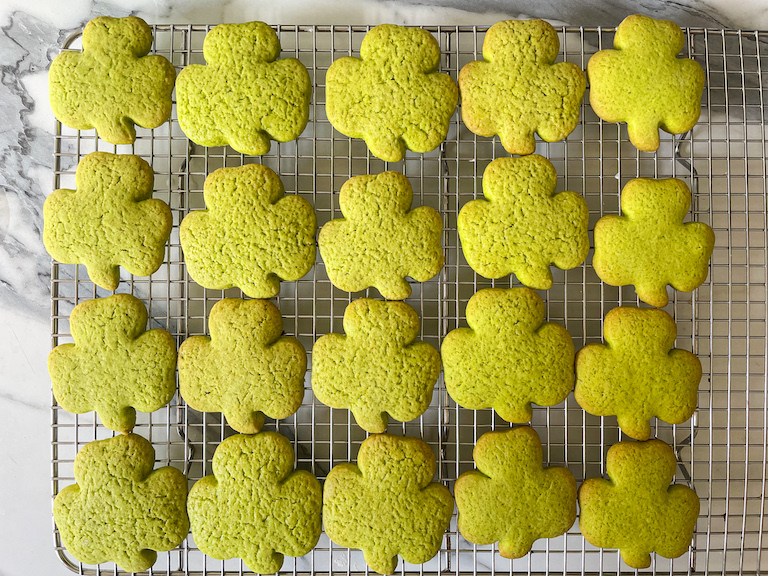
110, 220
380, 242
244, 96
112, 84
522, 226
649, 245
392, 96
255, 506
251, 235
518, 90
636, 510
115, 366
387, 504
377, 368
120, 510
511, 498
246, 369
509, 357
643, 82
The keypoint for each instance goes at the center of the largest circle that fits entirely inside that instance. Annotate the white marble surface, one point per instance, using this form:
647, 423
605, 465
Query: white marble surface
30, 31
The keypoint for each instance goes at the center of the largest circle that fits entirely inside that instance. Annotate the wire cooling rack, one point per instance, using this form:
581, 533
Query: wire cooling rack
721, 451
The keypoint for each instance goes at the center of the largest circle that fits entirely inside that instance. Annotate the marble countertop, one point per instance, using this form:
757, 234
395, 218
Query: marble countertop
30, 34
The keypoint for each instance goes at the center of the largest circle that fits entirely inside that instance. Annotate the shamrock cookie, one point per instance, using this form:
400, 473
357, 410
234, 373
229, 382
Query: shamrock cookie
650, 246
380, 241
377, 368
255, 506
112, 84
110, 220
643, 83
120, 510
522, 226
115, 366
387, 504
251, 236
508, 357
637, 511
244, 96
392, 96
511, 498
245, 369
517, 90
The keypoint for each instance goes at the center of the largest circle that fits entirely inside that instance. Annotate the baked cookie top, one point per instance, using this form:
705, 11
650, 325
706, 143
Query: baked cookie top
377, 368
246, 369
649, 245
642, 81
244, 96
517, 90
112, 84
380, 241
636, 510
522, 226
392, 96
387, 504
255, 506
120, 510
110, 220
251, 235
115, 366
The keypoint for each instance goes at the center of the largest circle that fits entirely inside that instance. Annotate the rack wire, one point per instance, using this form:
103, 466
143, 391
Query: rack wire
721, 451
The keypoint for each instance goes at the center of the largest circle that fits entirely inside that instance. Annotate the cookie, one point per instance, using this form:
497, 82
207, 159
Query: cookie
110, 220
121, 510
522, 226
509, 357
244, 96
392, 96
115, 366
246, 369
517, 90
377, 368
511, 498
255, 506
251, 236
380, 241
112, 84
387, 504
636, 510
650, 246
643, 83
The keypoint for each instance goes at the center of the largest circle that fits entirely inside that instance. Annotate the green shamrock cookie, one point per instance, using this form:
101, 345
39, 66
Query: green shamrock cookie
650, 246
377, 368
637, 375
110, 220
508, 357
392, 96
380, 241
387, 504
115, 366
637, 511
120, 510
511, 498
518, 90
522, 226
245, 369
244, 96
643, 83
112, 84
255, 506
251, 236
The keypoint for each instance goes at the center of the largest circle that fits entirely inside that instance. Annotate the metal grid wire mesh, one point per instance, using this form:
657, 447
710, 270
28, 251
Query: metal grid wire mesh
721, 451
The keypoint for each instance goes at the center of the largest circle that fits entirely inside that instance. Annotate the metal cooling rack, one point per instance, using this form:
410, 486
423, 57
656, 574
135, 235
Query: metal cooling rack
721, 451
